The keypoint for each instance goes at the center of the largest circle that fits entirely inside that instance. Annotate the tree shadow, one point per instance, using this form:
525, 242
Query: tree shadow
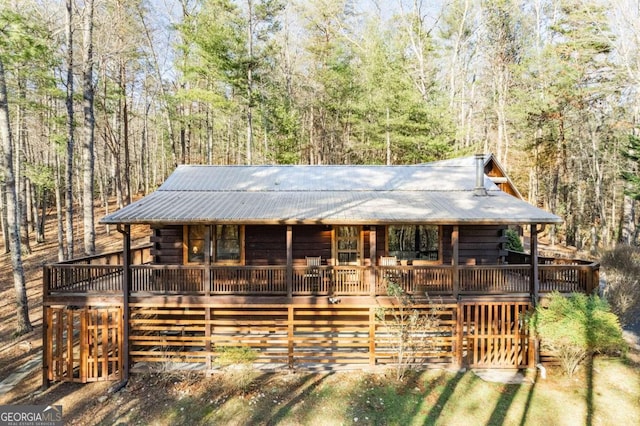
304, 388
527, 404
507, 396
438, 407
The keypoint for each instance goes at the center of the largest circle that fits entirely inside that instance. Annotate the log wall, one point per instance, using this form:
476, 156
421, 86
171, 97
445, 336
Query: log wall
167, 244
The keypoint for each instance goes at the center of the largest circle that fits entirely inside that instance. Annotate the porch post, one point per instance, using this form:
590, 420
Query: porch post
372, 256
535, 283
126, 286
534, 349
207, 261
455, 261
289, 261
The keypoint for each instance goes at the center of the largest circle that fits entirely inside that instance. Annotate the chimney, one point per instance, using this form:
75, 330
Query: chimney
480, 189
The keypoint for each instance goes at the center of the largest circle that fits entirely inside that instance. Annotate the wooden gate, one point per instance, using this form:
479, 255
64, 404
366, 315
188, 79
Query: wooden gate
83, 345
494, 335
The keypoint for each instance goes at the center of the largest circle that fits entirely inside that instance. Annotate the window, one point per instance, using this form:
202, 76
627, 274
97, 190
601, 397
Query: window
195, 243
227, 243
348, 245
410, 242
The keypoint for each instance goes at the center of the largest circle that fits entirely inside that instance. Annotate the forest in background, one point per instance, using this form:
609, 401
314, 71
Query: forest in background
103, 98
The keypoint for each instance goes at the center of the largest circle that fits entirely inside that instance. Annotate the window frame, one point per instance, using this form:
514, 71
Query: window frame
186, 245
437, 261
210, 249
359, 245
214, 248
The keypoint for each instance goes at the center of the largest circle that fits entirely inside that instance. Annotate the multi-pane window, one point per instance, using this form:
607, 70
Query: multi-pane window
414, 242
227, 243
348, 245
195, 243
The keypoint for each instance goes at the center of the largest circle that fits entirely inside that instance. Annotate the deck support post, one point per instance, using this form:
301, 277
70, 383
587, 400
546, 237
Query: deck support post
455, 261
126, 285
289, 261
290, 318
372, 257
458, 318
372, 336
46, 354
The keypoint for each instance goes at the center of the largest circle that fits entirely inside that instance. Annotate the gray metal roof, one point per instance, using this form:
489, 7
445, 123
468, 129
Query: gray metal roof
430, 193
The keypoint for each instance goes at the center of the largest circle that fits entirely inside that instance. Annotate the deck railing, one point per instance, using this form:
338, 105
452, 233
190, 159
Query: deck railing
324, 280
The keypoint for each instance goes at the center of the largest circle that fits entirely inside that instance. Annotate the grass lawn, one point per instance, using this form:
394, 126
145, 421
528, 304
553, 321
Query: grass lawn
359, 398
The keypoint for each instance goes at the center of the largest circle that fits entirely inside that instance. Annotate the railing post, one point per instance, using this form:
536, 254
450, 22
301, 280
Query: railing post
46, 281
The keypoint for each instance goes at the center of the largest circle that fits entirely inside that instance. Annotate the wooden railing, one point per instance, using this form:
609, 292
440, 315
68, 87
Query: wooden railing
495, 279
322, 280
69, 278
91, 274
139, 256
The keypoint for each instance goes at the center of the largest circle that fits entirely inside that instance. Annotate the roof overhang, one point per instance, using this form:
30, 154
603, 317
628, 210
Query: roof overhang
330, 208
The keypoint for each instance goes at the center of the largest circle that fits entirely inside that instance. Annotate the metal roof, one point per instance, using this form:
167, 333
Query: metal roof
429, 193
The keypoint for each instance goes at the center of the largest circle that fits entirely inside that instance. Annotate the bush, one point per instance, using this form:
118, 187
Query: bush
407, 329
236, 355
622, 272
513, 241
238, 361
576, 327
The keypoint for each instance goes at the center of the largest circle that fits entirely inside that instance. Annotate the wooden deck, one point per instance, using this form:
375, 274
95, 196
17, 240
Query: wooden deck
292, 316
279, 280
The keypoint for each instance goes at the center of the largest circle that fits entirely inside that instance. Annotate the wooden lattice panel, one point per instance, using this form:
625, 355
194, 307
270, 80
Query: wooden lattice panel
495, 334
83, 345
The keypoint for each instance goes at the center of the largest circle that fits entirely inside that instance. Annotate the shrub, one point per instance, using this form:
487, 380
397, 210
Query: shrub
240, 373
622, 272
235, 355
513, 241
576, 327
407, 329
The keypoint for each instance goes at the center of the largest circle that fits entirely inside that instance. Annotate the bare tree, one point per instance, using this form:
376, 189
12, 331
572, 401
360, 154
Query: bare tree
89, 126
22, 311
70, 130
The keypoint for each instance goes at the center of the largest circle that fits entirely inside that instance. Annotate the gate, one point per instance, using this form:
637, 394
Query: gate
83, 344
494, 335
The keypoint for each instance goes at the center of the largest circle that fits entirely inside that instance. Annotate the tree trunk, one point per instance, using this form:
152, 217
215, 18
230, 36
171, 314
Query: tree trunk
59, 215
89, 126
21, 181
3, 219
23, 324
250, 83
70, 129
628, 222
125, 134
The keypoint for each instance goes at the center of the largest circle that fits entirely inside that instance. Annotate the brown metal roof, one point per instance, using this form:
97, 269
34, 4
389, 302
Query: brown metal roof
430, 193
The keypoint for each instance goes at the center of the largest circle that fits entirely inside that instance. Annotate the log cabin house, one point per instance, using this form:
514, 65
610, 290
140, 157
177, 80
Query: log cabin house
294, 262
